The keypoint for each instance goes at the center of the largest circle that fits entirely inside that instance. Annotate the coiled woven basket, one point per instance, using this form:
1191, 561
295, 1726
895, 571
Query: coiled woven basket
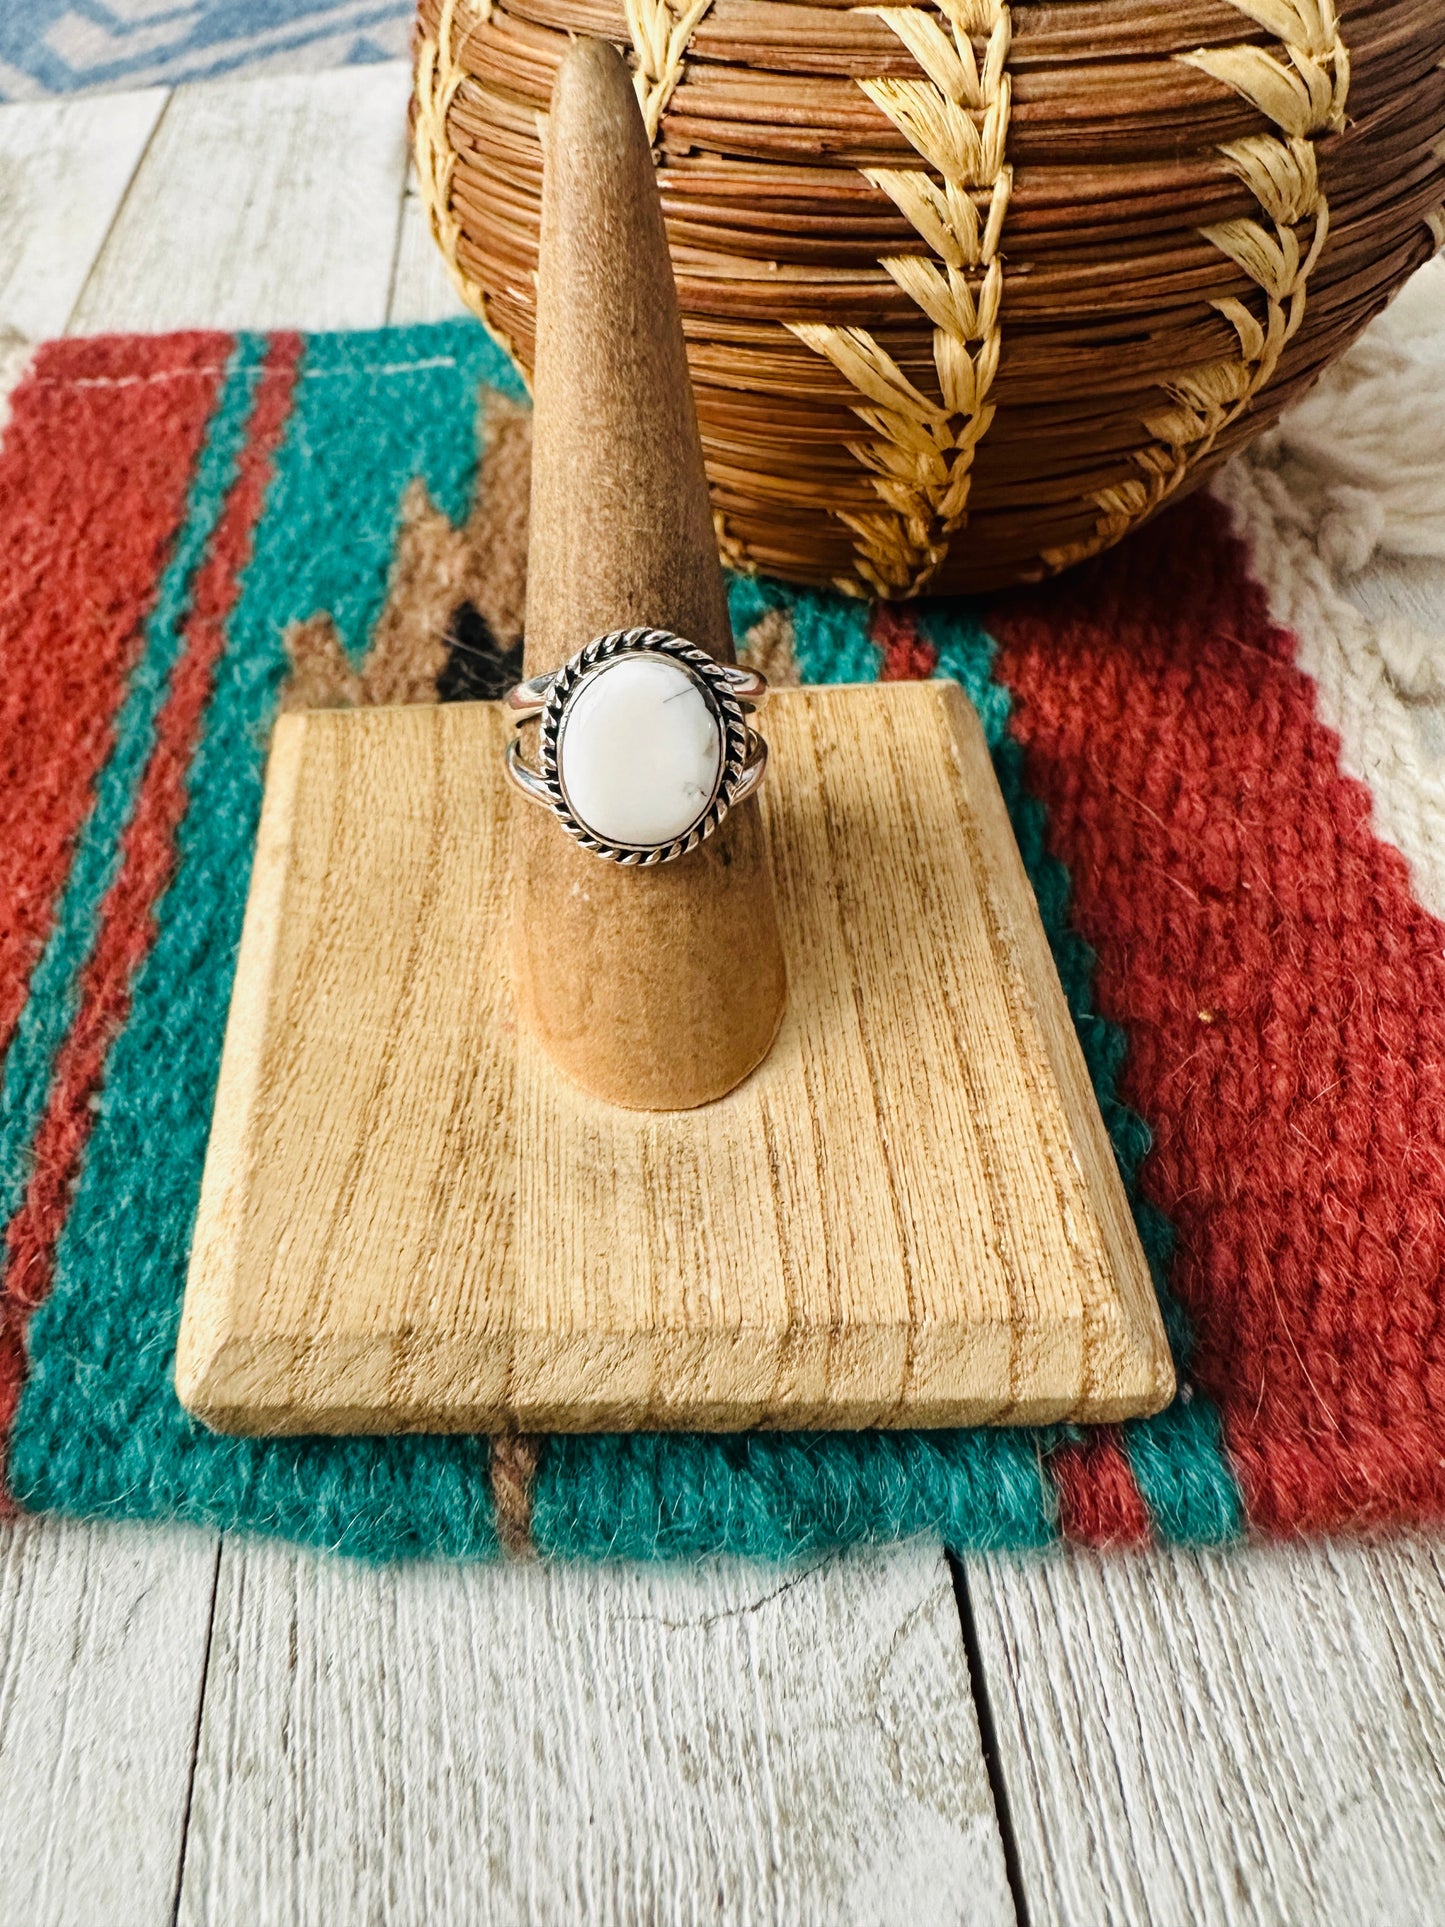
969, 288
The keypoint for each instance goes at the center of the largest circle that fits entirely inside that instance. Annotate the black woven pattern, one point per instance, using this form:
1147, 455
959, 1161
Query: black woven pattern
478, 669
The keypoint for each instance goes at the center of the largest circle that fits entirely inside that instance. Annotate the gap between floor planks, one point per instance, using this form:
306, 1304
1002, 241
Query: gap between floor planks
1105, 1808
588, 1743
1242, 1737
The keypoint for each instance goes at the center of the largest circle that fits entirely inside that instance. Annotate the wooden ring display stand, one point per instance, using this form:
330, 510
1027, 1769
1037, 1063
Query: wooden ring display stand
662, 988
792, 1131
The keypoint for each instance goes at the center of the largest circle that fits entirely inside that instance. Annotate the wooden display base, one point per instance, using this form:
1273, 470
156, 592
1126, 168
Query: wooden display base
908, 1215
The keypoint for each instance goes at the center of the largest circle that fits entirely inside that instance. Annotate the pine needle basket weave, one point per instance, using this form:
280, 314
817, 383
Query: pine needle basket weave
970, 288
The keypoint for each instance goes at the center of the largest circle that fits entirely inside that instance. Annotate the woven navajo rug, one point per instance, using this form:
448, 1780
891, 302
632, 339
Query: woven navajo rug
1235, 833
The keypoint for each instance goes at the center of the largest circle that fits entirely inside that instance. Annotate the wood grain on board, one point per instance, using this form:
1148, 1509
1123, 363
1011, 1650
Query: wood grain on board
64, 169
910, 1214
421, 288
261, 206
711, 1746
103, 1638
1231, 1738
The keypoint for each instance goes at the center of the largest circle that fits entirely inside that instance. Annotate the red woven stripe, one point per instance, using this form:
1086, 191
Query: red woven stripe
1284, 998
1099, 1500
907, 655
127, 926
1100, 1503
95, 463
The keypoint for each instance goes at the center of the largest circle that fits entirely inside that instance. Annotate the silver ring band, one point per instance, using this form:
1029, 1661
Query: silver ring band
525, 701
645, 744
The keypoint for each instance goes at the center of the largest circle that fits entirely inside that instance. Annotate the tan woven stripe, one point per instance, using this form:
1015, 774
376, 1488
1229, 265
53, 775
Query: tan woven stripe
768, 646
921, 454
1302, 90
513, 1469
431, 569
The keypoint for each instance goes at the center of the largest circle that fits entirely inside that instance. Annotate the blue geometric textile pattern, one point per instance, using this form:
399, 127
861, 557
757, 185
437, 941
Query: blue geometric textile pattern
70, 46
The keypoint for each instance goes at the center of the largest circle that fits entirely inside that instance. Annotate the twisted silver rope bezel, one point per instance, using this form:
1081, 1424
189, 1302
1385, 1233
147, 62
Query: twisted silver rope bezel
737, 739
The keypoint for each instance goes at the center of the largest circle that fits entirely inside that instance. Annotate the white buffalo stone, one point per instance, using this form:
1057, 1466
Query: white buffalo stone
640, 751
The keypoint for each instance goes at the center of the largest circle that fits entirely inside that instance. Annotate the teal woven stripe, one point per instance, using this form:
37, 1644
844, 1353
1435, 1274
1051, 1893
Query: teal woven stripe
99, 1429
831, 642
53, 997
377, 408
1184, 1473
1178, 1458
780, 1495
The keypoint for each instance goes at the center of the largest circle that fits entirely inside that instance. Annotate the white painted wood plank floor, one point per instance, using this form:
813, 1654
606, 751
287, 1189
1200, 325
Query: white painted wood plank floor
203, 1731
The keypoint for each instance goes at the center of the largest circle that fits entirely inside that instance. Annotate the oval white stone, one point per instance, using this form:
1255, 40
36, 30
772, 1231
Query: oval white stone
640, 751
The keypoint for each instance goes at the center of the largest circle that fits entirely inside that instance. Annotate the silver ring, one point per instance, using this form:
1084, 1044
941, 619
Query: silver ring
630, 784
